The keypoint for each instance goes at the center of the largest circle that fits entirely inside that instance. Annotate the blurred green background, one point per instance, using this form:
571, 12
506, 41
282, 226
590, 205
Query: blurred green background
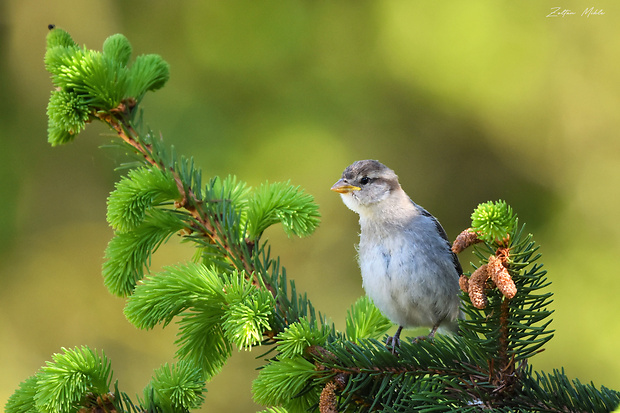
466, 101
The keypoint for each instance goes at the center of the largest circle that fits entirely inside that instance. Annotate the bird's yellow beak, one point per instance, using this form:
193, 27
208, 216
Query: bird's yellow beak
344, 188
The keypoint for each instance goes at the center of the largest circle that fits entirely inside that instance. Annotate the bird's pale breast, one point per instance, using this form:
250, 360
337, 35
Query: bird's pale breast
403, 274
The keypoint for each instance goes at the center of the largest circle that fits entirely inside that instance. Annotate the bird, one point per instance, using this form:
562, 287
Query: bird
408, 268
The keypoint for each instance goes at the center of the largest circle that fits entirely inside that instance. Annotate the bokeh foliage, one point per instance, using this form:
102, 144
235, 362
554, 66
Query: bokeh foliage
470, 101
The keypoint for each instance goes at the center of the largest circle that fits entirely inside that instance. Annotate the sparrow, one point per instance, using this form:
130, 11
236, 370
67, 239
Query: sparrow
407, 266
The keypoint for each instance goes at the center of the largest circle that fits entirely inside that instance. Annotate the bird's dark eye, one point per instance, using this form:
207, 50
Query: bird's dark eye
364, 180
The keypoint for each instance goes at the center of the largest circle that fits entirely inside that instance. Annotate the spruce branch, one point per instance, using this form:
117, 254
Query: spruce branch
75, 379
175, 388
81, 75
79, 380
76, 372
485, 367
238, 295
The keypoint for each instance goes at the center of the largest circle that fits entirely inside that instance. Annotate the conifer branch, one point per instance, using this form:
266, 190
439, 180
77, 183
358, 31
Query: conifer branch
205, 225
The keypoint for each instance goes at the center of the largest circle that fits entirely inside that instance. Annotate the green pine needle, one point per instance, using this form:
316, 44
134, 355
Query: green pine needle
198, 295
117, 48
136, 194
274, 410
56, 135
494, 221
62, 384
286, 383
230, 191
22, 401
176, 388
129, 253
283, 203
229, 188
245, 323
161, 297
67, 111
299, 336
148, 72
247, 319
364, 320
98, 81
201, 340
572, 395
59, 37
58, 58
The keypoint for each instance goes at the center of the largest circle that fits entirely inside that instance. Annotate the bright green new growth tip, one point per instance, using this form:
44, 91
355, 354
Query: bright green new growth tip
89, 81
493, 221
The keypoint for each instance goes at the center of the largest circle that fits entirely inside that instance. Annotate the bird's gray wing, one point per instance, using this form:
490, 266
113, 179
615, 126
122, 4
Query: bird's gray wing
442, 233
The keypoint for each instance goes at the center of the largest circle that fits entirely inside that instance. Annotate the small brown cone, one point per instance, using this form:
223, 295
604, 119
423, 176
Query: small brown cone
328, 402
476, 285
501, 277
464, 240
464, 283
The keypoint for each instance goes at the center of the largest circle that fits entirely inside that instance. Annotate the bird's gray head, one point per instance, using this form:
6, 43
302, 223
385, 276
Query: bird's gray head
365, 183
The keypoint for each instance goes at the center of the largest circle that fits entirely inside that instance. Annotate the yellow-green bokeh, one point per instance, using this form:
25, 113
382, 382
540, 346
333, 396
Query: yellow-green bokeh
466, 101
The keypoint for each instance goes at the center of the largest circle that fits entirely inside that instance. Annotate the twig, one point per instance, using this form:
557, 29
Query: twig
208, 227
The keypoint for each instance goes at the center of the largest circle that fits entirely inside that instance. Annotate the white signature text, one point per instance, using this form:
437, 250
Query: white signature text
560, 12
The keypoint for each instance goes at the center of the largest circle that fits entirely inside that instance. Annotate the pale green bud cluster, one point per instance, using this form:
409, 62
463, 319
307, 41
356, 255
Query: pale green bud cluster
89, 82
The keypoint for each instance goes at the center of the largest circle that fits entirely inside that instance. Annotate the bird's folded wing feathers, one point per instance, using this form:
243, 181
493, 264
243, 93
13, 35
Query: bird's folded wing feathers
442, 233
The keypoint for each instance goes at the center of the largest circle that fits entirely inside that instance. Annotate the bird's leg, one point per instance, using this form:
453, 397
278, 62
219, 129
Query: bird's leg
431, 335
394, 341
